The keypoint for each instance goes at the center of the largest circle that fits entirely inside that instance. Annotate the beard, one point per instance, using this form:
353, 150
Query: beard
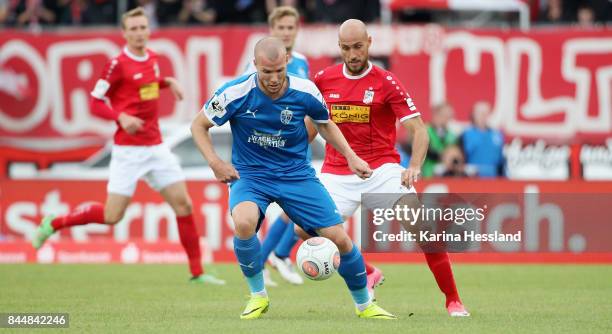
357, 69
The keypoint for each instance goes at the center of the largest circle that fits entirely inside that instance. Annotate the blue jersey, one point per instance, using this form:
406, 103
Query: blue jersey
297, 66
269, 136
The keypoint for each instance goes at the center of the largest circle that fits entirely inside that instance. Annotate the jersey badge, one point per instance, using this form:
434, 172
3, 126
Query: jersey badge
368, 96
286, 116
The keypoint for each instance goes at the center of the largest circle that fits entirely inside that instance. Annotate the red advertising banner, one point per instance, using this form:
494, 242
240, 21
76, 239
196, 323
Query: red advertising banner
541, 83
148, 232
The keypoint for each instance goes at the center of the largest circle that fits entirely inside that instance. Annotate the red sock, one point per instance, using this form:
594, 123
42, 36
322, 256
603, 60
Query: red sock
369, 268
84, 214
440, 266
191, 243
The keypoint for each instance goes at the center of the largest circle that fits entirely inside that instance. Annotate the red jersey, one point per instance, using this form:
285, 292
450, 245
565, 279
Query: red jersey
132, 83
365, 108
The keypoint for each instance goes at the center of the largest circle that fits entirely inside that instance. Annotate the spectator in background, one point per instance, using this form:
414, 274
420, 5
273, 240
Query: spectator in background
482, 145
98, 12
4, 12
197, 12
238, 11
271, 4
453, 163
582, 11
31, 13
167, 11
586, 16
337, 11
553, 12
440, 137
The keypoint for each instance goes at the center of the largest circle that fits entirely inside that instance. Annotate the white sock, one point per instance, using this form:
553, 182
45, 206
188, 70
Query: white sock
262, 293
364, 306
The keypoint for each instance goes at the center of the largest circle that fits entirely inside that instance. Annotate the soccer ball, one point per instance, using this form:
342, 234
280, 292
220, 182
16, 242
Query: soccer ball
318, 258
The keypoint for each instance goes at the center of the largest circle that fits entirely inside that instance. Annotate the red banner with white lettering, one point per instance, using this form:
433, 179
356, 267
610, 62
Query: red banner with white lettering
542, 83
148, 232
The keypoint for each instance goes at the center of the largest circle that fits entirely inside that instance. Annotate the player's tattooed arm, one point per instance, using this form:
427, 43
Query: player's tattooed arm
330, 132
420, 143
224, 171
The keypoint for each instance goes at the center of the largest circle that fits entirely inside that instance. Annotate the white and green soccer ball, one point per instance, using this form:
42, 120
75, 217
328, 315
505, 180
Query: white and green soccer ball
318, 258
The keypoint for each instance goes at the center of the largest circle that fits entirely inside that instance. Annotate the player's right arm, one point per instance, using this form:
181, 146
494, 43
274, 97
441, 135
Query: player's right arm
110, 79
214, 112
224, 171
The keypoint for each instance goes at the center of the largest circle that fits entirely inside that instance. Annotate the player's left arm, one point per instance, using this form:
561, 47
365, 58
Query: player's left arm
403, 107
174, 86
420, 143
310, 129
332, 134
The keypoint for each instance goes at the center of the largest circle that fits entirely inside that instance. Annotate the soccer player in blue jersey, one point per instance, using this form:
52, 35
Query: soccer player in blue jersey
266, 112
283, 23
280, 238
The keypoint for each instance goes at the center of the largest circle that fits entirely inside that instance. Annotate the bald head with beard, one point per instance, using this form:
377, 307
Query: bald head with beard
354, 43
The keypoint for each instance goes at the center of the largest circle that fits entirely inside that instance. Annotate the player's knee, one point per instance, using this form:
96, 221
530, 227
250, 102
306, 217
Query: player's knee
112, 218
244, 229
183, 207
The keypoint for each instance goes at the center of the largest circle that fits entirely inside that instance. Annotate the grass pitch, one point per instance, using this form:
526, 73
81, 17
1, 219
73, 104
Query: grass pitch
158, 298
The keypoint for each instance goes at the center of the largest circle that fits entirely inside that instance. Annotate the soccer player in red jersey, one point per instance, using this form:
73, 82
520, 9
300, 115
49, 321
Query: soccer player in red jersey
131, 82
365, 101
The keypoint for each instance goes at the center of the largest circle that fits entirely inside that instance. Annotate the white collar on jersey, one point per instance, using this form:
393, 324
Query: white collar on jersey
135, 57
354, 77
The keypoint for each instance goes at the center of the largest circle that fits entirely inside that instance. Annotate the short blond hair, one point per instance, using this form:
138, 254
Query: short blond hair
280, 12
138, 11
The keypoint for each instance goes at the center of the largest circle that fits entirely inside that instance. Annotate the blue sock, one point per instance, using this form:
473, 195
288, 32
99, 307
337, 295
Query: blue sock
352, 269
287, 241
361, 296
256, 284
272, 238
248, 253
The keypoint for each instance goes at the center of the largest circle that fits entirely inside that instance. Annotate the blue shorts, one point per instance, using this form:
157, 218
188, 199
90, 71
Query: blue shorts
306, 202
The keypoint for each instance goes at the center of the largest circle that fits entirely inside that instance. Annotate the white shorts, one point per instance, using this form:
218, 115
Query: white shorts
158, 166
346, 190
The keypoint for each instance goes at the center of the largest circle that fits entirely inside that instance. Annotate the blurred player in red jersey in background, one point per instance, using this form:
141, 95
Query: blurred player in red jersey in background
131, 82
365, 101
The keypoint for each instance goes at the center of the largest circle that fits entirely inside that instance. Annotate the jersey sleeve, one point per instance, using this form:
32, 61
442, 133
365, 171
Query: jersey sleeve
398, 99
307, 69
217, 109
109, 80
250, 68
317, 79
317, 109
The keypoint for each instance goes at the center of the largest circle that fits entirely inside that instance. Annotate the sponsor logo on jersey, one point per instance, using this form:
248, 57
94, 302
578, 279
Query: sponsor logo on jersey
286, 116
334, 95
137, 76
267, 140
252, 113
343, 113
215, 109
149, 91
368, 96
